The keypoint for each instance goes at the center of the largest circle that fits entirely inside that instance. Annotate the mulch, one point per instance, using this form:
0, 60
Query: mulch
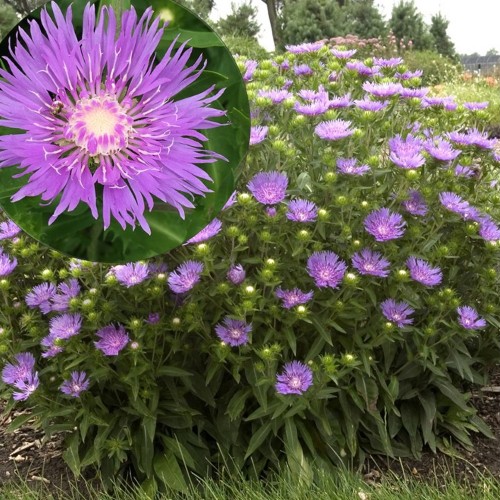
25, 454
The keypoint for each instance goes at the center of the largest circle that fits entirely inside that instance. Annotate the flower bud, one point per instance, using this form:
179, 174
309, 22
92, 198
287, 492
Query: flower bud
267, 275
135, 324
274, 130
111, 279
279, 145
402, 275
247, 305
87, 304
3, 348
233, 231
388, 326
330, 177
262, 102
134, 346
202, 250
249, 290
242, 239
222, 288
412, 174
270, 263
4, 284
299, 121
93, 317
365, 205
348, 359
323, 215
244, 198
338, 306
351, 278
301, 310
342, 200
303, 235
356, 243
265, 236
47, 274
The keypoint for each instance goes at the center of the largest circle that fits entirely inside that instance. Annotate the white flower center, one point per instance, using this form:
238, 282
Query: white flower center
295, 382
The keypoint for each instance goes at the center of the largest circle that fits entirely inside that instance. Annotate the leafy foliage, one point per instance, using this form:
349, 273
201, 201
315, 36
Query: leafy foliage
437, 68
8, 18
241, 22
408, 25
442, 42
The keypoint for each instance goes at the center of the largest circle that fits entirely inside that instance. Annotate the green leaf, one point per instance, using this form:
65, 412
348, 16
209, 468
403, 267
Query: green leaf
258, 438
237, 403
71, 454
168, 471
173, 371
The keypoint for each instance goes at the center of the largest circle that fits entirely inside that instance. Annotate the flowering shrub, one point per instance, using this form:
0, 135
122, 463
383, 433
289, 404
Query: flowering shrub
346, 294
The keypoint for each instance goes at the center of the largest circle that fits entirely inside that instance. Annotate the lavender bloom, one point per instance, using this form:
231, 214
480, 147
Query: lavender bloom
185, 277
65, 326
343, 54
337, 102
441, 150
233, 331
250, 67
369, 105
40, 297
131, 274
52, 349
268, 188
371, 263
294, 297
19, 371
387, 63
112, 340
295, 379
302, 211
312, 95
326, 269
457, 204
488, 229
464, 171
98, 113
397, 312
75, 385
406, 153
333, 130
415, 204
385, 225
258, 134
153, 318
271, 211
473, 138
333, 76
277, 96
26, 387
408, 93
65, 292
231, 201
446, 102
6, 265
475, 106
304, 48
408, 75
302, 70
382, 90
8, 229
423, 272
209, 231
362, 69
313, 108
469, 318
236, 274
349, 166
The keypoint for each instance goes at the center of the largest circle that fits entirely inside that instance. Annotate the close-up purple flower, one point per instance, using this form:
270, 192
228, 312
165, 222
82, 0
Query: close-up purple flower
397, 312
269, 188
75, 385
408, 75
8, 229
455, 203
20, 370
233, 331
66, 291
337, 102
131, 274
236, 274
418, 93
112, 340
302, 211
473, 137
314, 95
415, 203
362, 69
250, 67
423, 272
465, 171
382, 90
406, 153
313, 108
370, 105
392, 62
304, 48
153, 318
371, 263
293, 297
446, 102
277, 96
296, 378
6, 264
96, 113
302, 70
65, 326
326, 268
209, 231
185, 277
258, 134
343, 54
476, 106
385, 225
441, 150
488, 228
469, 318
349, 166
333, 130
25, 388
40, 296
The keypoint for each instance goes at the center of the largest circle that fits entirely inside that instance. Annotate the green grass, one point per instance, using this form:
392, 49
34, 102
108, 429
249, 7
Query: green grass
341, 486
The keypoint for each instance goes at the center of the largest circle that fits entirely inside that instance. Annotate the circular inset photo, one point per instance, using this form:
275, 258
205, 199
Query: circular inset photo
121, 129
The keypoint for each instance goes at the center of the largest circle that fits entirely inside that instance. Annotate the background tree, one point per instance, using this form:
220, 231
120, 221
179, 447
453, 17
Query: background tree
442, 42
364, 19
408, 24
242, 22
274, 11
202, 8
8, 18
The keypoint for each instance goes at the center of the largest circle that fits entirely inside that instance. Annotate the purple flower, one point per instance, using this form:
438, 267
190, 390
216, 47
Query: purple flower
343, 54
441, 150
304, 48
406, 153
469, 318
233, 331
464, 171
131, 274
268, 188
382, 90
112, 340
271, 211
99, 113
385, 225
333, 130
75, 385
302, 211
294, 297
415, 204
337, 102
488, 229
418, 93
6, 265
349, 166
52, 349
369, 105
423, 272
362, 69
40, 297
153, 318
26, 387
397, 312
258, 134
8, 229
312, 95
457, 204
65, 292
231, 201
473, 138
185, 277
371, 263
236, 274
13, 373
65, 326
326, 269
302, 70
276, 95
408, 75
209, 231
387, 63
314, 108
250, 67
475, 106
296, 378
446, 102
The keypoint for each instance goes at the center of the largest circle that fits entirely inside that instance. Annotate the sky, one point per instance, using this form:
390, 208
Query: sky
474, 25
